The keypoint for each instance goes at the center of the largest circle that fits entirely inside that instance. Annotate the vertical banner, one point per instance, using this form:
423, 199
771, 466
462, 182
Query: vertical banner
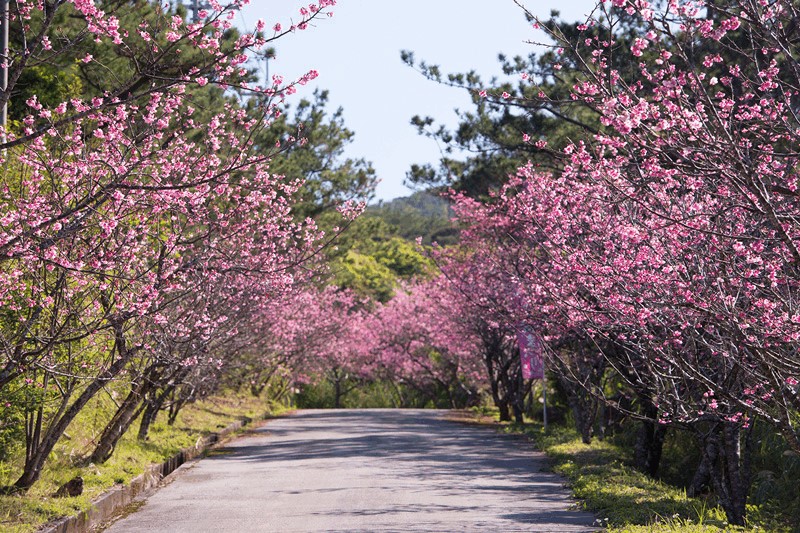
531, 353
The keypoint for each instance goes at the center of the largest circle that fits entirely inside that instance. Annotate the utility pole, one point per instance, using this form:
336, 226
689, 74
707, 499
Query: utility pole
4, 66
267, 54
196, 6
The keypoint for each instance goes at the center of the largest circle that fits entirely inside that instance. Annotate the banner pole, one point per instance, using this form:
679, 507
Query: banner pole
4, 68
544, 402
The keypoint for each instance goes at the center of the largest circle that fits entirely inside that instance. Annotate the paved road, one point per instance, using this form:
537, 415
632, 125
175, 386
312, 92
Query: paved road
363, 470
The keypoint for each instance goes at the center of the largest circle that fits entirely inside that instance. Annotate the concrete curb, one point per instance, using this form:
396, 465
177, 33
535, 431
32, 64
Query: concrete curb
106, 505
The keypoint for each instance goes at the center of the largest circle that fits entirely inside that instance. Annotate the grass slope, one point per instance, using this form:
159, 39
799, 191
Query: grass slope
23, 513
601, 475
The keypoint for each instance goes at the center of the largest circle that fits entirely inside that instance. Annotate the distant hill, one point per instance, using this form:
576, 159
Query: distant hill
420, 215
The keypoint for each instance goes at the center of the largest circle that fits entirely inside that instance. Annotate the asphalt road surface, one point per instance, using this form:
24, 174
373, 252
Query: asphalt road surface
363, 470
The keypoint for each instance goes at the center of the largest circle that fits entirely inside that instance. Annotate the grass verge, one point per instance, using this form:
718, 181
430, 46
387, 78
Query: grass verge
25, 513
602, 477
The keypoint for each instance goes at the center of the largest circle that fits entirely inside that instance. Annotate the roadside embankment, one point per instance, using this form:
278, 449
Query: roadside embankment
134, 468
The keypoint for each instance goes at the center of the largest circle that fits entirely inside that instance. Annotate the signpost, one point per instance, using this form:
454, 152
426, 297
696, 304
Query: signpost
4, 66
196, 6
531, 355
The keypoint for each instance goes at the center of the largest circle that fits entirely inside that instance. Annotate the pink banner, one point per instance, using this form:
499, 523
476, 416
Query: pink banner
531, 354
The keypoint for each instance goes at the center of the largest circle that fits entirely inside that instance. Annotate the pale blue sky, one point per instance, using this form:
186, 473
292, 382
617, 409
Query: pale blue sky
357, 53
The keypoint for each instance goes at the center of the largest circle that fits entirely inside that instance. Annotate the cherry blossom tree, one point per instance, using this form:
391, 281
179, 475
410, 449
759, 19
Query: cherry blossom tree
117, 207
419, 344
667, 240
312, 335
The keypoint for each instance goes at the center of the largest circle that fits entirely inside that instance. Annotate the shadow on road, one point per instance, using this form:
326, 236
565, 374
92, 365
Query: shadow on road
414, 443
364, 470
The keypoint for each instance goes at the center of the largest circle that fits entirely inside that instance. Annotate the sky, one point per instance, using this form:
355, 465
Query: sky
357, 55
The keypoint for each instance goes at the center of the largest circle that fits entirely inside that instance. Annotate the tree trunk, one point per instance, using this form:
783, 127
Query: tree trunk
401, 401
495, 377
179, 403
529, 400
517, 412
517, 394
649, 446
8, 374
119, 424
152, 407
584, 423
732, 479
702, 476
38, 456
500, 402
584, 419
505, 415
726, 467
337, 391
155, 400
649, 441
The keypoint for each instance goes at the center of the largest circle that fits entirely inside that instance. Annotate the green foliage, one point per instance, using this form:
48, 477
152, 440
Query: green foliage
318, 395
14, 400
488, 145
365, 275
776, 471
363, 233
376, 253
402, 258
322, 395
374, 267
129, 71
50, 84
377, 394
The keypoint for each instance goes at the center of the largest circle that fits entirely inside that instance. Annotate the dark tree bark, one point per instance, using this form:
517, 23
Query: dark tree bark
649, 440
726, 467
337, 392
583, 406
505, 414
155, 399
119, 424
517, 412
39, 450
701, 482
185, 396
503, 370
127, 412
732, 477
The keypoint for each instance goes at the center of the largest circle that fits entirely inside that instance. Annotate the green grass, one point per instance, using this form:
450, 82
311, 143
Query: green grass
625, 500
24, 513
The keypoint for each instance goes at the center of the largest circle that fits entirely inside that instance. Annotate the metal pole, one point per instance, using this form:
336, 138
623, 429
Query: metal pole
4, 65
544, 401
197, 5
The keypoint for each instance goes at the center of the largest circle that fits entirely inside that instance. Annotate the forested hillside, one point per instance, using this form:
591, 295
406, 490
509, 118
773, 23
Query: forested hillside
423, 214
